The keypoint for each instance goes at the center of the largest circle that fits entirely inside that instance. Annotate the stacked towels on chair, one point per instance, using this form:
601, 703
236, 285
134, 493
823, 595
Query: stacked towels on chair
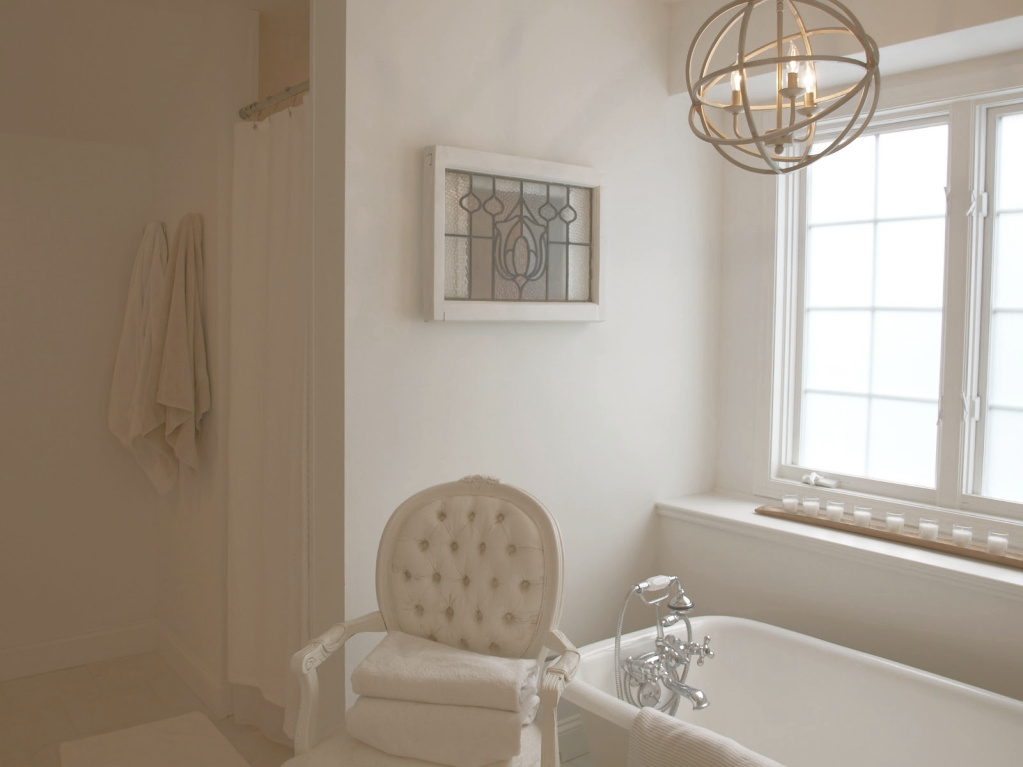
426, 700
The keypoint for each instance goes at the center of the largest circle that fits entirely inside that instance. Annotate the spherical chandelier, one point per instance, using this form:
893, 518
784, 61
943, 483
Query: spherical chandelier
762, 73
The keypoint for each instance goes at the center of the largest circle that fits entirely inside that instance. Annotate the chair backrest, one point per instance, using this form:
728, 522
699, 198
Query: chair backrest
474, 564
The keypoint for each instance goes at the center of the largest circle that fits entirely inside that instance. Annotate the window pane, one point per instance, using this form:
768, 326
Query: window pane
837, 350
840, 265
911, 263
903, 442
842, 184
834, 434
912, 172
1005, 374
1010, 155
907, 354
1002, 476
1007, 277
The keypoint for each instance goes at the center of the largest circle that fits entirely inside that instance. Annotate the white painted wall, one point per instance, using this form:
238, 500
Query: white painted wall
598, 420
114, 114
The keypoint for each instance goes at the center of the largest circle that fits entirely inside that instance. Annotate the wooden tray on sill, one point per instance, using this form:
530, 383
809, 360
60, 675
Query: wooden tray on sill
909, 537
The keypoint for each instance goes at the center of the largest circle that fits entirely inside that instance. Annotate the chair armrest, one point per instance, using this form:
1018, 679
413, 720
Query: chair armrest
304, 664
553, 681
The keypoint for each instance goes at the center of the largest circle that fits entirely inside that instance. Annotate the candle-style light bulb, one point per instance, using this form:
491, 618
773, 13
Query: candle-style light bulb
809, 78
791, 87
736, 80
793, 65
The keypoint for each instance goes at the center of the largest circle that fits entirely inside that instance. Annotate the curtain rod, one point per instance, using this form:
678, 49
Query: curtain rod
258, 106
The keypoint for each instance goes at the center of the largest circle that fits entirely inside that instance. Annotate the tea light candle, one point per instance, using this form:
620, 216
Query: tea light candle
928, 529
962, 535
997, 543
894, 520
861, 515
790, 501
811, 506
835, 510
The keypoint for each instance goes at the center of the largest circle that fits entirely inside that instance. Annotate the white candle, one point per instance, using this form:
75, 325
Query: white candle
929, 529
962, 535
790, 501
811, 506
894, 521
997, 543
861, 516
835, 510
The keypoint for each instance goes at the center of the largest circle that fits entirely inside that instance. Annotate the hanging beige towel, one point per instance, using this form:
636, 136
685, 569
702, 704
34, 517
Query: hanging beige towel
184, 388
659, 740
135, 416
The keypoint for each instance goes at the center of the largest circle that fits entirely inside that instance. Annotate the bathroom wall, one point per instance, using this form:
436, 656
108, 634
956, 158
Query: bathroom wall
596, 419
114, 114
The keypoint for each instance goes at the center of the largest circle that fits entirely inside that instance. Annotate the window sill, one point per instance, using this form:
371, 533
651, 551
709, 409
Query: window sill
734, 514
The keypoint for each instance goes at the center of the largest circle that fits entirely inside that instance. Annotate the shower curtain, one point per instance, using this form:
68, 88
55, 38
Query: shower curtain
267, 416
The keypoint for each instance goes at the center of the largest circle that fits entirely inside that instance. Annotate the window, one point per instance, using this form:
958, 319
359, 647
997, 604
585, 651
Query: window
901, 278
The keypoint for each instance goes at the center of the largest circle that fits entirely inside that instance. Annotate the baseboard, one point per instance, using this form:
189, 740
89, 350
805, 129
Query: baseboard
93, 647
209, 688
571, 737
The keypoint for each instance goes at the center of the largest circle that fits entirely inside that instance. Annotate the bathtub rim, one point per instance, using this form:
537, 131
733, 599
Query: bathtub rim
606, 704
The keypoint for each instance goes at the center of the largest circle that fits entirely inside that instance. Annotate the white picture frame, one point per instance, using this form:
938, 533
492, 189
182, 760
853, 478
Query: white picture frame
437, 160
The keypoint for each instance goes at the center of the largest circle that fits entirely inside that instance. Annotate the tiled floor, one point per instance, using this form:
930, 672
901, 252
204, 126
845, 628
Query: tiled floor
37, 713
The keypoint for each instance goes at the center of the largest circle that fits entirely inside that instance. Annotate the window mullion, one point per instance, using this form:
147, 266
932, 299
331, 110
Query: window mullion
953, 435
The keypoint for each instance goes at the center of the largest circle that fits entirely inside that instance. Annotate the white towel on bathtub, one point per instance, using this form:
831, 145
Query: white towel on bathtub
659, 740
410, 668
460, 736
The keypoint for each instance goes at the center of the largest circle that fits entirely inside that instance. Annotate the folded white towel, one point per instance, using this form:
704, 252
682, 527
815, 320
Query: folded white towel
406, 667
659, 740
460, 736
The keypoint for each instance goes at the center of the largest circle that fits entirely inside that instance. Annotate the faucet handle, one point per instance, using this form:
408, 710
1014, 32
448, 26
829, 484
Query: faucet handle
705, 651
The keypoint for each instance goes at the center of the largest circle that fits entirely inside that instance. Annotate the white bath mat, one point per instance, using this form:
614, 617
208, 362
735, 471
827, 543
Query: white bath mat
190, 740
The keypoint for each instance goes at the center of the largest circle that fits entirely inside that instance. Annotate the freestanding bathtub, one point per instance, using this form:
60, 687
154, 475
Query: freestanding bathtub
809, 703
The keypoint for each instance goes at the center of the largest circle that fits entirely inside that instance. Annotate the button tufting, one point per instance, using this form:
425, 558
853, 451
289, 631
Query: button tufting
450, 612
465, 580
419, 610
432, 637
472, 516
524, 585
464, 643
424, 545
442, 515
508, 617
511, 548
493, 583
436, 577
454, 545
479, 616
494, 648
483, 548
500, 517
408, 575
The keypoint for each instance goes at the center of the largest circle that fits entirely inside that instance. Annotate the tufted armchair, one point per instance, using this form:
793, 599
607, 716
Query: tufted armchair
474, 564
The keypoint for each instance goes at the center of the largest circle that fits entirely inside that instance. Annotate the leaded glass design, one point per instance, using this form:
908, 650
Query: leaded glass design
510, 239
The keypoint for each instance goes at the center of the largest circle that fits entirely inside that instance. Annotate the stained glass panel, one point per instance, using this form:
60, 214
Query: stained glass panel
510, 239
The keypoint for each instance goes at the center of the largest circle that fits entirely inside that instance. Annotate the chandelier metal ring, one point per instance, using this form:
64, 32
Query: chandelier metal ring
736, 89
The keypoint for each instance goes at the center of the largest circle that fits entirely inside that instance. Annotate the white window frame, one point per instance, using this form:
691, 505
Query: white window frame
963, 318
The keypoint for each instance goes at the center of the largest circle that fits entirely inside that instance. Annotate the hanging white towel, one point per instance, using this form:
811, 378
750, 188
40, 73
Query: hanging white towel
659, 740
135, 416
184, 388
